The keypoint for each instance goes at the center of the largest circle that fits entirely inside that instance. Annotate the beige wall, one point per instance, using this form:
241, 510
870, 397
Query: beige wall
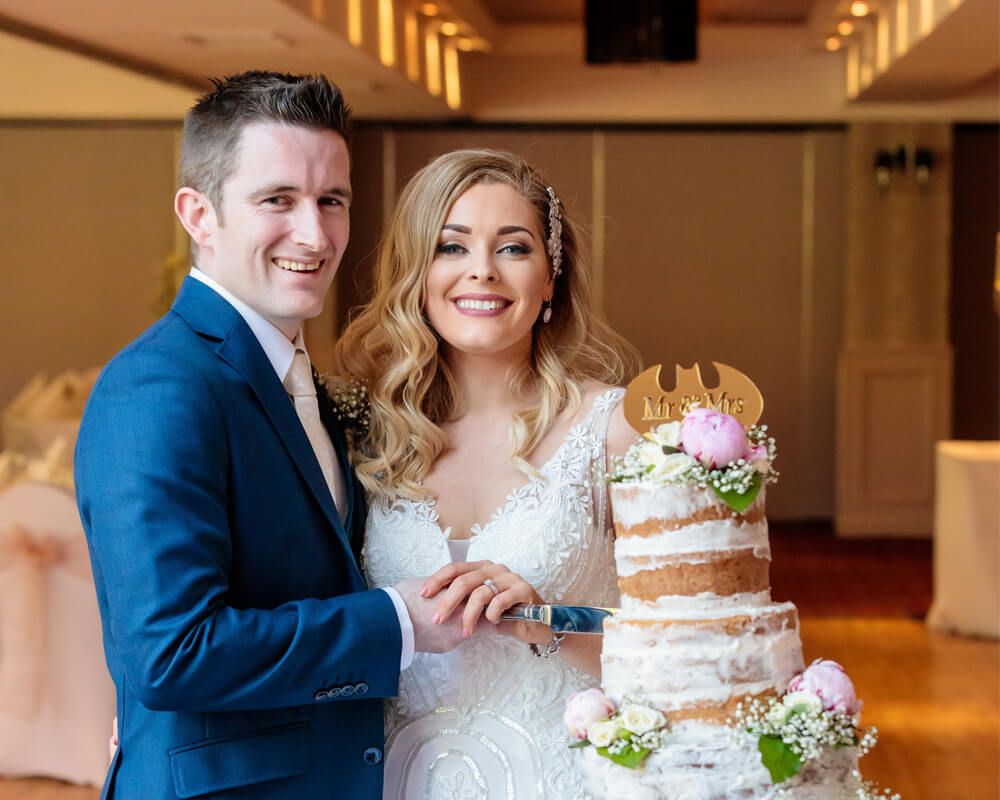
725, 246
711, 244
85, 220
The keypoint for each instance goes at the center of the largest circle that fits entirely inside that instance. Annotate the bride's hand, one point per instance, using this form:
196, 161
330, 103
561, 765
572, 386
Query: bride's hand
466, 581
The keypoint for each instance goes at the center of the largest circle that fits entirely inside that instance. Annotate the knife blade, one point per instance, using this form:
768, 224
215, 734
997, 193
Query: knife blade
562, 619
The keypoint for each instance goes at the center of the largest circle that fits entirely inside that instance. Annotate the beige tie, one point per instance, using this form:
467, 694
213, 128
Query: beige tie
299, 384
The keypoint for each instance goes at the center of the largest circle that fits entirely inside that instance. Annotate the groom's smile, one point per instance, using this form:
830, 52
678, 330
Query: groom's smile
298, 266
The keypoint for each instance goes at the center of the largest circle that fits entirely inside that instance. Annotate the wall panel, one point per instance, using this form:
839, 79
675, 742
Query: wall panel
86, 220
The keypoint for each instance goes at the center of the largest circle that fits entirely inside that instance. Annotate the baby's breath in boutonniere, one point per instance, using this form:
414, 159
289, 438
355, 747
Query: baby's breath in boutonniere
349, 403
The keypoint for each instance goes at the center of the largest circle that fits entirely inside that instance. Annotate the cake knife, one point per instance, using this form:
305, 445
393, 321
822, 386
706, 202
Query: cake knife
562, 619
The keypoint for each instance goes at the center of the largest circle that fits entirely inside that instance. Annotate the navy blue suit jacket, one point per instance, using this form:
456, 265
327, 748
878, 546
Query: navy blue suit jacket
248, 653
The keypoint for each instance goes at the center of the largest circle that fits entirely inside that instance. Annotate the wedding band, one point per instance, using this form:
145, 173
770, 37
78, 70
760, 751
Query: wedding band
491, 586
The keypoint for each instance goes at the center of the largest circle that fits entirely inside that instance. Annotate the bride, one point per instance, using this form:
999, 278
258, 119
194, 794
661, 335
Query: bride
492, 413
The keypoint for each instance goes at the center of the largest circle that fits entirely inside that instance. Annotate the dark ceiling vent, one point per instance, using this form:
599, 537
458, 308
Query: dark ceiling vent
641, 30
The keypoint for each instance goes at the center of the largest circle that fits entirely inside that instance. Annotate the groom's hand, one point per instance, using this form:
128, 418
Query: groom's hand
429, 636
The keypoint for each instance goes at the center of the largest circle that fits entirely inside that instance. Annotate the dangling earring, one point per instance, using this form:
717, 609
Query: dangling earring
547, 313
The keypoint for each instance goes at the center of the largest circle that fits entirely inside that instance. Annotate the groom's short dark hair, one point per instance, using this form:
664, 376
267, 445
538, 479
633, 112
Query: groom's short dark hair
212, 128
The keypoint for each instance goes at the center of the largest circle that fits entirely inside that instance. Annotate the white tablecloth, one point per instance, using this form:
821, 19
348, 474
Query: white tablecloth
56, 697
967, 539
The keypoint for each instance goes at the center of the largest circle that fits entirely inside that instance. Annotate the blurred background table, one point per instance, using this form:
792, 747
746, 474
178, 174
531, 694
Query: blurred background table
967, 539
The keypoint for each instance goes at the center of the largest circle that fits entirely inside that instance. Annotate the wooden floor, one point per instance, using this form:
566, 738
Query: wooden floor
933, 698
826, 576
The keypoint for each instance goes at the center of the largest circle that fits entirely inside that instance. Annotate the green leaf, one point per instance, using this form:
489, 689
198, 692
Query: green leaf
578, 745
669, 451
778, 757
628, 757
741, 502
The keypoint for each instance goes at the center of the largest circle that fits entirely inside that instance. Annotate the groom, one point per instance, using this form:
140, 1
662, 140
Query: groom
223, 518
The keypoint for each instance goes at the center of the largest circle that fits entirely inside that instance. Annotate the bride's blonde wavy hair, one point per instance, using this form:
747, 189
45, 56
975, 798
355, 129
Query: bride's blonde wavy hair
392, 349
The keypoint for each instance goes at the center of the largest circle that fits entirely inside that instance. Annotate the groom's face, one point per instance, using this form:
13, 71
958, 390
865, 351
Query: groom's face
285, 222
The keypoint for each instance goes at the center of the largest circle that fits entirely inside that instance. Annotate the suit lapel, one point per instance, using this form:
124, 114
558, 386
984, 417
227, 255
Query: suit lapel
211, 315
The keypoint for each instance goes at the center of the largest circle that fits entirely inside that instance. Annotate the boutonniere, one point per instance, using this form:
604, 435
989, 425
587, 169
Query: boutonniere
349, 404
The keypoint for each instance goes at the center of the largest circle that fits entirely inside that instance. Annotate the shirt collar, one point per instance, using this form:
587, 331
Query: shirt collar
277, 348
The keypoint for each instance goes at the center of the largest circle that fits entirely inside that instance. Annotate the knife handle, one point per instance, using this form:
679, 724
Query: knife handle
527, 612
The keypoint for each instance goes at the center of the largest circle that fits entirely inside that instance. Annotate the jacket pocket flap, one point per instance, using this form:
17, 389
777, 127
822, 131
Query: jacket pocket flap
214, 765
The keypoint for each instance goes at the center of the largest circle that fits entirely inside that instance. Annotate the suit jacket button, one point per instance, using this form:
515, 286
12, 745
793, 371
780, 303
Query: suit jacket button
346, 691
336, 691
320, 696
373, 756
361, 688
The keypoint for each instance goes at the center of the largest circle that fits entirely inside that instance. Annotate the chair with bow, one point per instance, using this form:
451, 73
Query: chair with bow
56, 698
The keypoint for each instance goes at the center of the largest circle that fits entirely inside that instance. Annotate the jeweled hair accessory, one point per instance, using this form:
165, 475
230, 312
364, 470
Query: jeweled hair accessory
555, 232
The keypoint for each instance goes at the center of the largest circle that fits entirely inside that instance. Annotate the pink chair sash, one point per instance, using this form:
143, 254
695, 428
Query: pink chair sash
26, 559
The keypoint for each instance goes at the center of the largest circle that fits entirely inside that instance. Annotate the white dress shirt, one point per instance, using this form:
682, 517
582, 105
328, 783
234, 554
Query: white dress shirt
280, 352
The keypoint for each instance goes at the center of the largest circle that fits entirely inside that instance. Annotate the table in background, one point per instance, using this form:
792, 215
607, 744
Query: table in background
967, 539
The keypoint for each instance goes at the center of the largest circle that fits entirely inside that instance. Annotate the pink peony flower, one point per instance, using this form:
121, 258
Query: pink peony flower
829, 682
713, 438
585, 708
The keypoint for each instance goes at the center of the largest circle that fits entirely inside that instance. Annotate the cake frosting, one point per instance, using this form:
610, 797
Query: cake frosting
698, 638
678, 542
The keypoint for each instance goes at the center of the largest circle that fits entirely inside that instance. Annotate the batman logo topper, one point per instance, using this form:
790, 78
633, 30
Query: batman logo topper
647, 404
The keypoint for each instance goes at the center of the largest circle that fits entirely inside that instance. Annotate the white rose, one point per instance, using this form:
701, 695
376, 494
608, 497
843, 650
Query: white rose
601, 734
778, 714
672, 467
802, 701
651, 454
642, 719
668, 434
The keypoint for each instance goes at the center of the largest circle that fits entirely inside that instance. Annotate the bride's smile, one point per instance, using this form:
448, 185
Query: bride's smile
481, 305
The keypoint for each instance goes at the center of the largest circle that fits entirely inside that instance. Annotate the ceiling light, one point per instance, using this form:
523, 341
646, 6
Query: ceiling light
845, 27
859, 8
833, 43
449, 28
429, 9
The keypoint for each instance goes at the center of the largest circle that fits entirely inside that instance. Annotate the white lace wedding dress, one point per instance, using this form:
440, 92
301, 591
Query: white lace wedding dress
485, 721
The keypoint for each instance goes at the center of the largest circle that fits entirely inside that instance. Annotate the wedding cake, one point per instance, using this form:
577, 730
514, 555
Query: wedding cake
704, 692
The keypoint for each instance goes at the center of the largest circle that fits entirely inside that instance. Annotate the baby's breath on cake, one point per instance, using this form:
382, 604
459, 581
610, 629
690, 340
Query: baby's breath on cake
807, 730
794, 730
870, 790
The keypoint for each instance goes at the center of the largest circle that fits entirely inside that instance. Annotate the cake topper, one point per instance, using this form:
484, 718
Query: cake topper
648, 405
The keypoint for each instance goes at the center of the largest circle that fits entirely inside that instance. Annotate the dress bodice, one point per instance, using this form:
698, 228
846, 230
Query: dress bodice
485, 720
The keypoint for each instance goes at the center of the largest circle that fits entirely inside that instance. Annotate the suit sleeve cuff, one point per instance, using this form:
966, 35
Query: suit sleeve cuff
405, 627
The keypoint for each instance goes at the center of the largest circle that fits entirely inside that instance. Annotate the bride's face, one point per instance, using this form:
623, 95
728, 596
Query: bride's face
490, 274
